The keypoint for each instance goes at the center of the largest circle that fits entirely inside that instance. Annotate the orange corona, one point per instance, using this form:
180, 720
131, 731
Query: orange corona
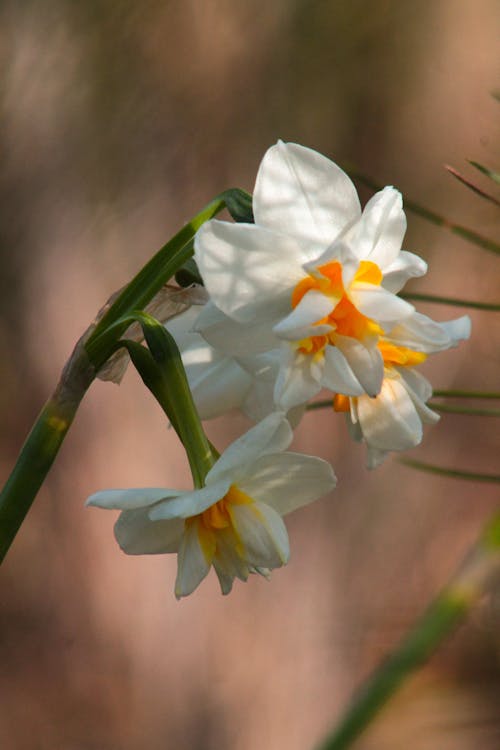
344, 318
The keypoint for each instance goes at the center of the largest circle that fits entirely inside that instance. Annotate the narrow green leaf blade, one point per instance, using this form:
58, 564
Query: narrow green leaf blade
495, 176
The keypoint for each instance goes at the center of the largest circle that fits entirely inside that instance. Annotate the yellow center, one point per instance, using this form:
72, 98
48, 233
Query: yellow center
217, 517
344, 317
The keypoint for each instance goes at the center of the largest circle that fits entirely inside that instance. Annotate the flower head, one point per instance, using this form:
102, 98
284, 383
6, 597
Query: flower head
314, 276
234, 523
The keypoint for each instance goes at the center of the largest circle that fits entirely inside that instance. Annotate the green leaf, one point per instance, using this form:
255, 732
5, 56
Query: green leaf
464, 410
162, 266
467, 394
475, 576
453, 473
471, 185
495, 176
239, 205
455, 302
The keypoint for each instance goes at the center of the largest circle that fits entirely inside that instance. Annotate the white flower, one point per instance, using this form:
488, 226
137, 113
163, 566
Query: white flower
235, 521
392, 421
313, 276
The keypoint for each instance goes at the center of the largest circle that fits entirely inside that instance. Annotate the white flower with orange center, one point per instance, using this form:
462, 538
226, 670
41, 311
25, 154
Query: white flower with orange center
393, 420
234, 523
314, 276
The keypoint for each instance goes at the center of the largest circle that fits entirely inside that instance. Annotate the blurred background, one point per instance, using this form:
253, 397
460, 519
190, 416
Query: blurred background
120, 120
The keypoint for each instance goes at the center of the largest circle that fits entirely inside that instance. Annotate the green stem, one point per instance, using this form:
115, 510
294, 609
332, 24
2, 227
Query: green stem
42, 445
472, 580
167, 381
434, 218
418, 297
454, 473
467, 394
465, 410
471, 185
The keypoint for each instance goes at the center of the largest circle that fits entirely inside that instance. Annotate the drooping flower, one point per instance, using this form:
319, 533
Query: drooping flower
234, 523
313, 277
393, 420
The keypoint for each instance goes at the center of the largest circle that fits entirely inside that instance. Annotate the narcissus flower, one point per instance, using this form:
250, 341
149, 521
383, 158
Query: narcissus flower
314, 276
234, 523
392, 421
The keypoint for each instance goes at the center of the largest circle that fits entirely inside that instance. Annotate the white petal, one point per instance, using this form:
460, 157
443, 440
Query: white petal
419, 389
190, 503
298, 379
365, 361
303, 193
133, 498
458, 329
263, 370
138, 535
225, 580
381, 229
423, 334
222, 386
181, 327
338, 375
262, 533
300, 323
287, 481
259, 401
377, 303
192, 567
405, 266
228, 559
246, 268
416, 382
272, 435
238, 339
390, 422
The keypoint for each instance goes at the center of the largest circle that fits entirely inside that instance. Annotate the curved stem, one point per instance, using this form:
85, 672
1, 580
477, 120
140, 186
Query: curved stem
91, 352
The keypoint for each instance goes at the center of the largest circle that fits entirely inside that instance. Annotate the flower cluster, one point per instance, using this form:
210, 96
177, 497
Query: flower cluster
303, 300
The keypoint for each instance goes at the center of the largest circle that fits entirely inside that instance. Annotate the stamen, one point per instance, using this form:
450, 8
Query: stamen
217, 517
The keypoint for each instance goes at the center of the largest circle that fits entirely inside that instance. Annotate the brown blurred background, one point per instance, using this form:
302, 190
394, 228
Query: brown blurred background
120, 120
